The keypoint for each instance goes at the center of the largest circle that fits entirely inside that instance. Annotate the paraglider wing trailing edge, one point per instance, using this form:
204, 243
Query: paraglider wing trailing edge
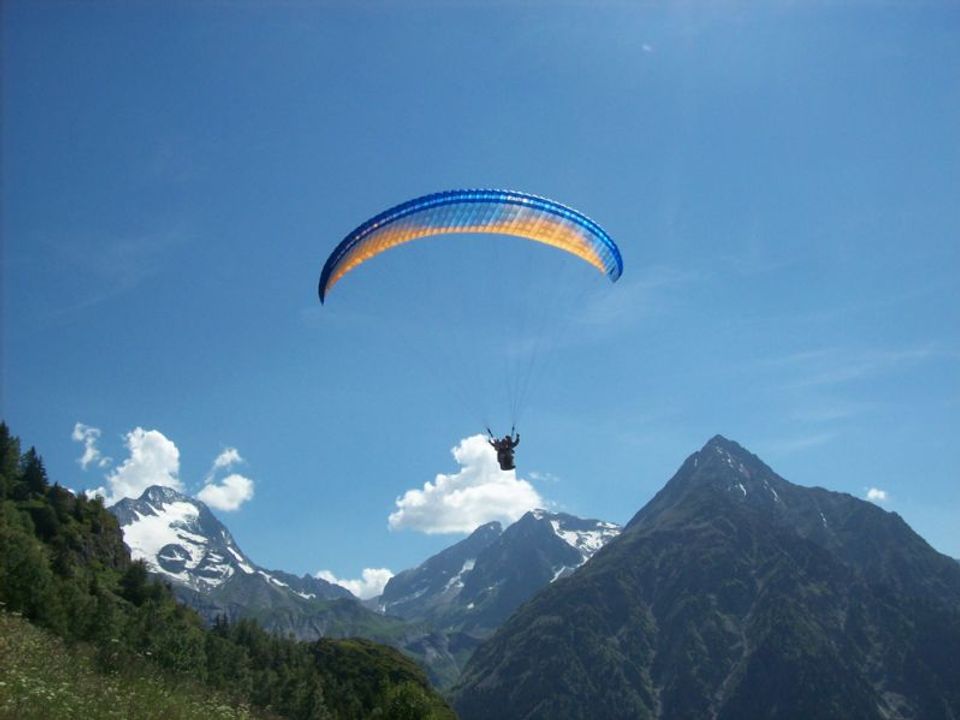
475, 211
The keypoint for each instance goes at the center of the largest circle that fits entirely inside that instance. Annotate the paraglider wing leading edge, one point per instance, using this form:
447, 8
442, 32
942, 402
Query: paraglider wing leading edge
475, 211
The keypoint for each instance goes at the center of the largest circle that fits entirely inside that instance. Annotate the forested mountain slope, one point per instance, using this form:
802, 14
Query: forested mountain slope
734, 593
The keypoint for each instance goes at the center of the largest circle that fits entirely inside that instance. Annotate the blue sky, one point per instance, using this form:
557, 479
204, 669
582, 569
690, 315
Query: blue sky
782, 181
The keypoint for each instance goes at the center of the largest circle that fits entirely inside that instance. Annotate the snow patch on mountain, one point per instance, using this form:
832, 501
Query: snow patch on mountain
167, 537
240, 561
773, 492
456, 582
563, 571
586, 536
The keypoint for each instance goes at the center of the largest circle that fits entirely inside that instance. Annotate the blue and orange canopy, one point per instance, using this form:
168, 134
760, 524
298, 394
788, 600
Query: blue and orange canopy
475, 211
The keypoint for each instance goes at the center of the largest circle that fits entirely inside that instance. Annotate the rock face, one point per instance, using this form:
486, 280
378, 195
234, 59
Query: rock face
732, 594
473, 586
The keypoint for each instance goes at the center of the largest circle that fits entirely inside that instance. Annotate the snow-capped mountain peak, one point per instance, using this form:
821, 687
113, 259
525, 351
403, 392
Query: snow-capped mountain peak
179, 538
475, 584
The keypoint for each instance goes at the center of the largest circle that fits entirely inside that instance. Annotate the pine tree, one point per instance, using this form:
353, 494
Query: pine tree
133, 584
62, 501
34, 473
9, 460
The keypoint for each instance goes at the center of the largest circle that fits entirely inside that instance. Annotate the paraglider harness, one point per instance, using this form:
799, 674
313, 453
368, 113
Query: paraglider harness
504, 447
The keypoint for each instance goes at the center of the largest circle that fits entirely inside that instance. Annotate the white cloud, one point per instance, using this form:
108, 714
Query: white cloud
370, 585
876, 495
229, 494
226, 459
459, 503
154, 460
91, 454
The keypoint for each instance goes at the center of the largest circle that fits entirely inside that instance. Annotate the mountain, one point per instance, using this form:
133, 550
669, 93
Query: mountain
734, 593
434, 584
474, 585
180, 539
182, 542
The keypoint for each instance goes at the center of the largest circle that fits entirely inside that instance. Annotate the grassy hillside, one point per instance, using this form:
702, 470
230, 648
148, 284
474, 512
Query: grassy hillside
45, 679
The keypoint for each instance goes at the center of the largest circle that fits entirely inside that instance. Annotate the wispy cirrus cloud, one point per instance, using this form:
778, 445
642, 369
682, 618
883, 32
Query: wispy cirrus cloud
827, 410
646, 294
838, 365
102, 268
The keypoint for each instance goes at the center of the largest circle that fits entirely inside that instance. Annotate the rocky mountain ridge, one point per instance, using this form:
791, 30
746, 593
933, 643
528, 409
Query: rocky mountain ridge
474, 585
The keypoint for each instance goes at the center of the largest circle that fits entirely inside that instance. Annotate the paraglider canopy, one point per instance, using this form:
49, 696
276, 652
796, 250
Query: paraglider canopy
475, 211
525, 319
